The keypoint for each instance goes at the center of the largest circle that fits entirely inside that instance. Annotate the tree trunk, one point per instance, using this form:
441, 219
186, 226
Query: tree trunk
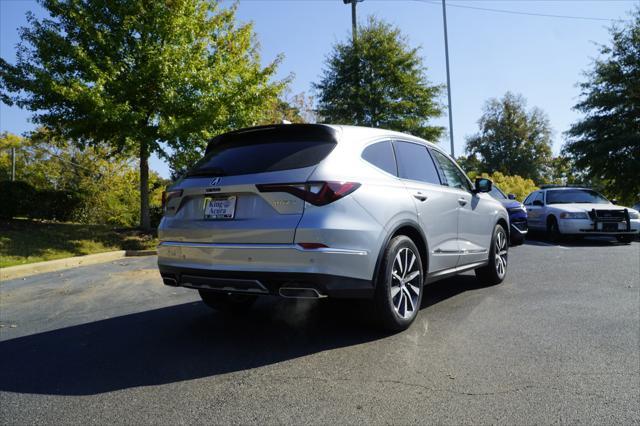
145, 223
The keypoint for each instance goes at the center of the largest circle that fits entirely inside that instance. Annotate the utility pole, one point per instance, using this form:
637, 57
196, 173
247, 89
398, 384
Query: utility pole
354, 22
13, 164
446, 54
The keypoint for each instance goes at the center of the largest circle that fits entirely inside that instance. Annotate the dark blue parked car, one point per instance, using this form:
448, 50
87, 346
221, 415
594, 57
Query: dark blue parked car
517, 215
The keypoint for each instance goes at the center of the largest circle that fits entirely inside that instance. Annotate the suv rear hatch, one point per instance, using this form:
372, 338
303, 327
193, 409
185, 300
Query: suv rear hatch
218, 202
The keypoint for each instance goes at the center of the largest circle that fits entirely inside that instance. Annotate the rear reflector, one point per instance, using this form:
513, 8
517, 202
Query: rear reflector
316, 193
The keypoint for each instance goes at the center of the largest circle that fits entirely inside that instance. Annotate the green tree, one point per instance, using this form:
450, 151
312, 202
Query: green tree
379, 81
511, 139
295, 109
141, 76
469, 163
106, 187
606, 142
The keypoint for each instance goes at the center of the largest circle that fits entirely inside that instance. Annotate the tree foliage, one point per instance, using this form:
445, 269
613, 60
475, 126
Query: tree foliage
141, 76
295, 109
378, 81
511, 139
104, 190
606, 142
516, 185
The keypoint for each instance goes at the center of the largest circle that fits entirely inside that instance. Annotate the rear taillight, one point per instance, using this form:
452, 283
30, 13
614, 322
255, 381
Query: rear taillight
168, 195
316, 193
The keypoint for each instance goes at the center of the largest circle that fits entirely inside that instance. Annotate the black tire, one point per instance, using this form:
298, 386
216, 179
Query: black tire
395, 300
626, 239
225, 302
496, 270
553, 230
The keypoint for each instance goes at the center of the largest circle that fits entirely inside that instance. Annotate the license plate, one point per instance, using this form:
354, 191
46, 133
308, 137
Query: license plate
611, 227
220, 207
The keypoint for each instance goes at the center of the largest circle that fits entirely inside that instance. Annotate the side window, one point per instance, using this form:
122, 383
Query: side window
415, 163
540, 196
533, 197
529, 200
454, 177
381, 155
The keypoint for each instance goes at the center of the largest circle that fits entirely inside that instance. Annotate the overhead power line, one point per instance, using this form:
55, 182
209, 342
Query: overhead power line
517, 12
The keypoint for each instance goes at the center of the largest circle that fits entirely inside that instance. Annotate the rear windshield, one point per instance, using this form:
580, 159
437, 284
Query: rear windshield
242, 158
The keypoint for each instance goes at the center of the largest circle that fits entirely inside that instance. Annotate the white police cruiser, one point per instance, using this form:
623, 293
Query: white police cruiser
579, 211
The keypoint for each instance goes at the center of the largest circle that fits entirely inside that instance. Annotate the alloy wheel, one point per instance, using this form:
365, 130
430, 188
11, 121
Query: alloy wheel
405, 283
501, 253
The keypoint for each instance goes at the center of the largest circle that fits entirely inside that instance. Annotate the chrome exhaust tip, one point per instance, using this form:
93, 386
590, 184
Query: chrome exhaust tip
300, 293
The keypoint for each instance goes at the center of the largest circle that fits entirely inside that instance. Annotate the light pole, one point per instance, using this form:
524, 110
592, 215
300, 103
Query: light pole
446, 55
354, 24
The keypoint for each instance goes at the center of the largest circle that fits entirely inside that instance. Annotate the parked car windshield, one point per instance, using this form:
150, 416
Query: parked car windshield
566, 196
237, 158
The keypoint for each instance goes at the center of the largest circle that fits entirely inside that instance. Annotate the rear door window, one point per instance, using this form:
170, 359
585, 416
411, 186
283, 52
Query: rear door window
381, 155
415, 163
254, 156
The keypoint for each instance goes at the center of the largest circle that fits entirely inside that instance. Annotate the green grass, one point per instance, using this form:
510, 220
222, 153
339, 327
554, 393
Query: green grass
26, 241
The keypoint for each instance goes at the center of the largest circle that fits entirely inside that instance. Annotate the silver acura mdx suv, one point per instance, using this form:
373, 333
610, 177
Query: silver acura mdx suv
310, 211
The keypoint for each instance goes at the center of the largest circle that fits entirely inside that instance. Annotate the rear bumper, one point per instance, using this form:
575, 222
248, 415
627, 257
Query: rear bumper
332, 271
263, 283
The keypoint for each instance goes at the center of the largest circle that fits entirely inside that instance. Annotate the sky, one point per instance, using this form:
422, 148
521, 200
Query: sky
490, 52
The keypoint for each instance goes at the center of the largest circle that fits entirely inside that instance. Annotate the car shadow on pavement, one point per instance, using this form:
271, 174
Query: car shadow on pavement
188, 341
540, 239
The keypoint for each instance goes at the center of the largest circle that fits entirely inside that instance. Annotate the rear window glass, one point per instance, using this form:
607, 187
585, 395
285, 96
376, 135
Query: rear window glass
415, 163
238, 158
381, 155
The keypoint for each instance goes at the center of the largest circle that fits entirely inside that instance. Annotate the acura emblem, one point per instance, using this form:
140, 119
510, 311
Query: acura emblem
215, 181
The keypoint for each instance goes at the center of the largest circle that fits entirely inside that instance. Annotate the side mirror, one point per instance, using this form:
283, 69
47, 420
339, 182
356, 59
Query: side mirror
614, 201
538, 203
483, 185
511, 196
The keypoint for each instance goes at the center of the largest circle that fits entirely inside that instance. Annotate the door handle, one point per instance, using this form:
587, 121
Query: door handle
420, 196
462, 201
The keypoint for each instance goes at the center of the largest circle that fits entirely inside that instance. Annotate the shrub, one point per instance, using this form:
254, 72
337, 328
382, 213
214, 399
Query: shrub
18, 198
54, 205
516, 185
23, 200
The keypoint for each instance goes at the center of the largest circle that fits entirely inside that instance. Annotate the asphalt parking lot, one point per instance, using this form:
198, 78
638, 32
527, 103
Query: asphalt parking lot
557, 342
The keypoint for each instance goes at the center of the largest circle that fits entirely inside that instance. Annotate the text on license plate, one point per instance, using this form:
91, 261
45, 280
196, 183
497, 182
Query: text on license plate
220, 207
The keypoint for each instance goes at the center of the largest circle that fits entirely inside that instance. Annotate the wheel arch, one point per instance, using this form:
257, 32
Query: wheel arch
505, 224
412, 230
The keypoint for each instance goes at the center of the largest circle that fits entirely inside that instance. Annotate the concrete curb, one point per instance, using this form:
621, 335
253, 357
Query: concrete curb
21, 271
